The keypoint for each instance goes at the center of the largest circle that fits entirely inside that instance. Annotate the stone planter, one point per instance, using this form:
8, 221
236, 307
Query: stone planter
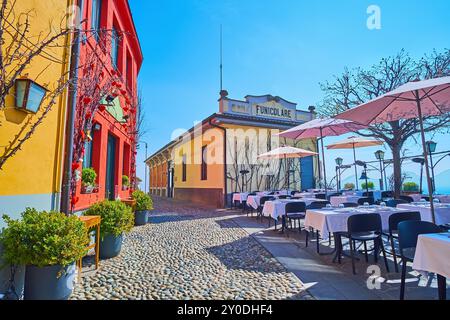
141, 218
49, 283
110, 246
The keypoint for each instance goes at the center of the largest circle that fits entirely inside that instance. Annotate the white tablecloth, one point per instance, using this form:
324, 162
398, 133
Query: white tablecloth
337, 200
305, 194
253, 201
240, 197
441, 211
277, 208
433, 254
443, 198
417, 197
329, 221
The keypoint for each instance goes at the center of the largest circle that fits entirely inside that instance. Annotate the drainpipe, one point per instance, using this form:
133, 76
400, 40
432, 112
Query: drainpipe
71, 106
224, 130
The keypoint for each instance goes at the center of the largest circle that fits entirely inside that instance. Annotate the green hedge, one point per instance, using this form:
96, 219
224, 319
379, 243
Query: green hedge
410, 186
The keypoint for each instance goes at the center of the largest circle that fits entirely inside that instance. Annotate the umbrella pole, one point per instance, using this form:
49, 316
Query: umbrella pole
318, 165
323, 162
356, 170
425, 157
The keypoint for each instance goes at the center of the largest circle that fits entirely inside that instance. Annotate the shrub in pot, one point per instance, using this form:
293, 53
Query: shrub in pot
410, 187
370, 185
125, 182
117, 218
349, 186
144, 204
88, 177
48, 244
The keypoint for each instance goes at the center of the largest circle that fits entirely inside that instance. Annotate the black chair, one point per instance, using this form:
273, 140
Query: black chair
317, 205
394, 202
387, 194
363, 228
408, 232
294, 192
392, 234
368, 194
295, 211
261, 205
249, 208
336, 194
407, 198
370, 201
235, 203
320, 196
272, 193
427, 198
284, 197
350, 205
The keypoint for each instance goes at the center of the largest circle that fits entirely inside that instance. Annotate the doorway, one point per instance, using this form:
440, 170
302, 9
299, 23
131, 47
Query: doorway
110, 190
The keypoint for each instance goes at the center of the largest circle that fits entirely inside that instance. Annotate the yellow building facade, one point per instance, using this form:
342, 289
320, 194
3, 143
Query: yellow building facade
219, 155
32, 177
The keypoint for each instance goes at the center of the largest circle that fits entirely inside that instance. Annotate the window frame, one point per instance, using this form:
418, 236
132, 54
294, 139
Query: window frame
204, 164
184, 168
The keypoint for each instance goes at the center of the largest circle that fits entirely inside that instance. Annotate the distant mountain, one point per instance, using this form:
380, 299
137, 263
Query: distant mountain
443, 182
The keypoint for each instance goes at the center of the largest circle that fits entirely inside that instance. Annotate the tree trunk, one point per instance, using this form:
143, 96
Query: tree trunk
396, 157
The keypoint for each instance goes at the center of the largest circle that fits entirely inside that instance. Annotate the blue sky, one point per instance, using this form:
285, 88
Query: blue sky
284, 48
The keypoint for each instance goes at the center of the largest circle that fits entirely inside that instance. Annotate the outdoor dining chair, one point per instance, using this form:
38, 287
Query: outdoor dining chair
370, 201
408, 233
295, 211
363, 228
368, 194
394, 202
249, 209
336, 194
387, 194
350, 205
261, 205
427, 198
320, 196
284, 197
407, 198
392, 234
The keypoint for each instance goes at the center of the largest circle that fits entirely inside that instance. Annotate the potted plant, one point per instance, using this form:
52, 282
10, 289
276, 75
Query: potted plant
370, 185
349, 186
144, 204
125, 182
48, 244
88, 177
117, 218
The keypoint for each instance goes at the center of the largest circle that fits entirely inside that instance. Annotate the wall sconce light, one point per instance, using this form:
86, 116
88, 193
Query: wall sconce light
29, 95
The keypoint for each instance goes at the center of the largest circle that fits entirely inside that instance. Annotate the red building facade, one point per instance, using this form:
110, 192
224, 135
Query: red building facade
110, 146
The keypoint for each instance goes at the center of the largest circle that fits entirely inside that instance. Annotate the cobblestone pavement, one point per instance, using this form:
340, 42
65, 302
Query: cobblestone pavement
189, 252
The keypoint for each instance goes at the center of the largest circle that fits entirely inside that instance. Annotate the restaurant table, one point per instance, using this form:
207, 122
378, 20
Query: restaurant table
441, 211
376, 194
277, 208
305, 194
443, 198
433, 255
240, 197
416, 196
91, 223
337, 200
253, 201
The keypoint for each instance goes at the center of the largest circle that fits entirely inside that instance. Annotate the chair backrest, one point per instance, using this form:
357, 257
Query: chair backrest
295, 207
284, 197
407, 198
271, 193
408, 231
350, 205
427, 198
294, 192
317, 205
364, 222
368, 194
387, 194
252, 194
370, 201
320, 196
336, 194
394, 202
266, 198
396, 218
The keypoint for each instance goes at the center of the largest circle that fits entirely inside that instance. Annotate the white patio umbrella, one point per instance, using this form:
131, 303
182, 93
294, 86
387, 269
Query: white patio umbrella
353, 143
286, 152
324, 127
411, 100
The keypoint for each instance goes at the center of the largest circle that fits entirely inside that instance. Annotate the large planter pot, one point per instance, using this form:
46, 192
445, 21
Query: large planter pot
110, 246
49, 283
140, 218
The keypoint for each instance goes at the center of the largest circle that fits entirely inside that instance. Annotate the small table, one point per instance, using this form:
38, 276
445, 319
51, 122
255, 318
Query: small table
433, 255
91, 223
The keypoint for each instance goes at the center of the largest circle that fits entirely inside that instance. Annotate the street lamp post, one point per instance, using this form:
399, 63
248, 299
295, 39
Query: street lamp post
420, 161
431, 145
338, 172
380, 157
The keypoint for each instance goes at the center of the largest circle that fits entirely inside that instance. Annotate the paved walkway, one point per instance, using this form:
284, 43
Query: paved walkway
188, 252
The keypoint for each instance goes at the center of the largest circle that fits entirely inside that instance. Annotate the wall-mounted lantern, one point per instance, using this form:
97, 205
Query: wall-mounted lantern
29, 95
